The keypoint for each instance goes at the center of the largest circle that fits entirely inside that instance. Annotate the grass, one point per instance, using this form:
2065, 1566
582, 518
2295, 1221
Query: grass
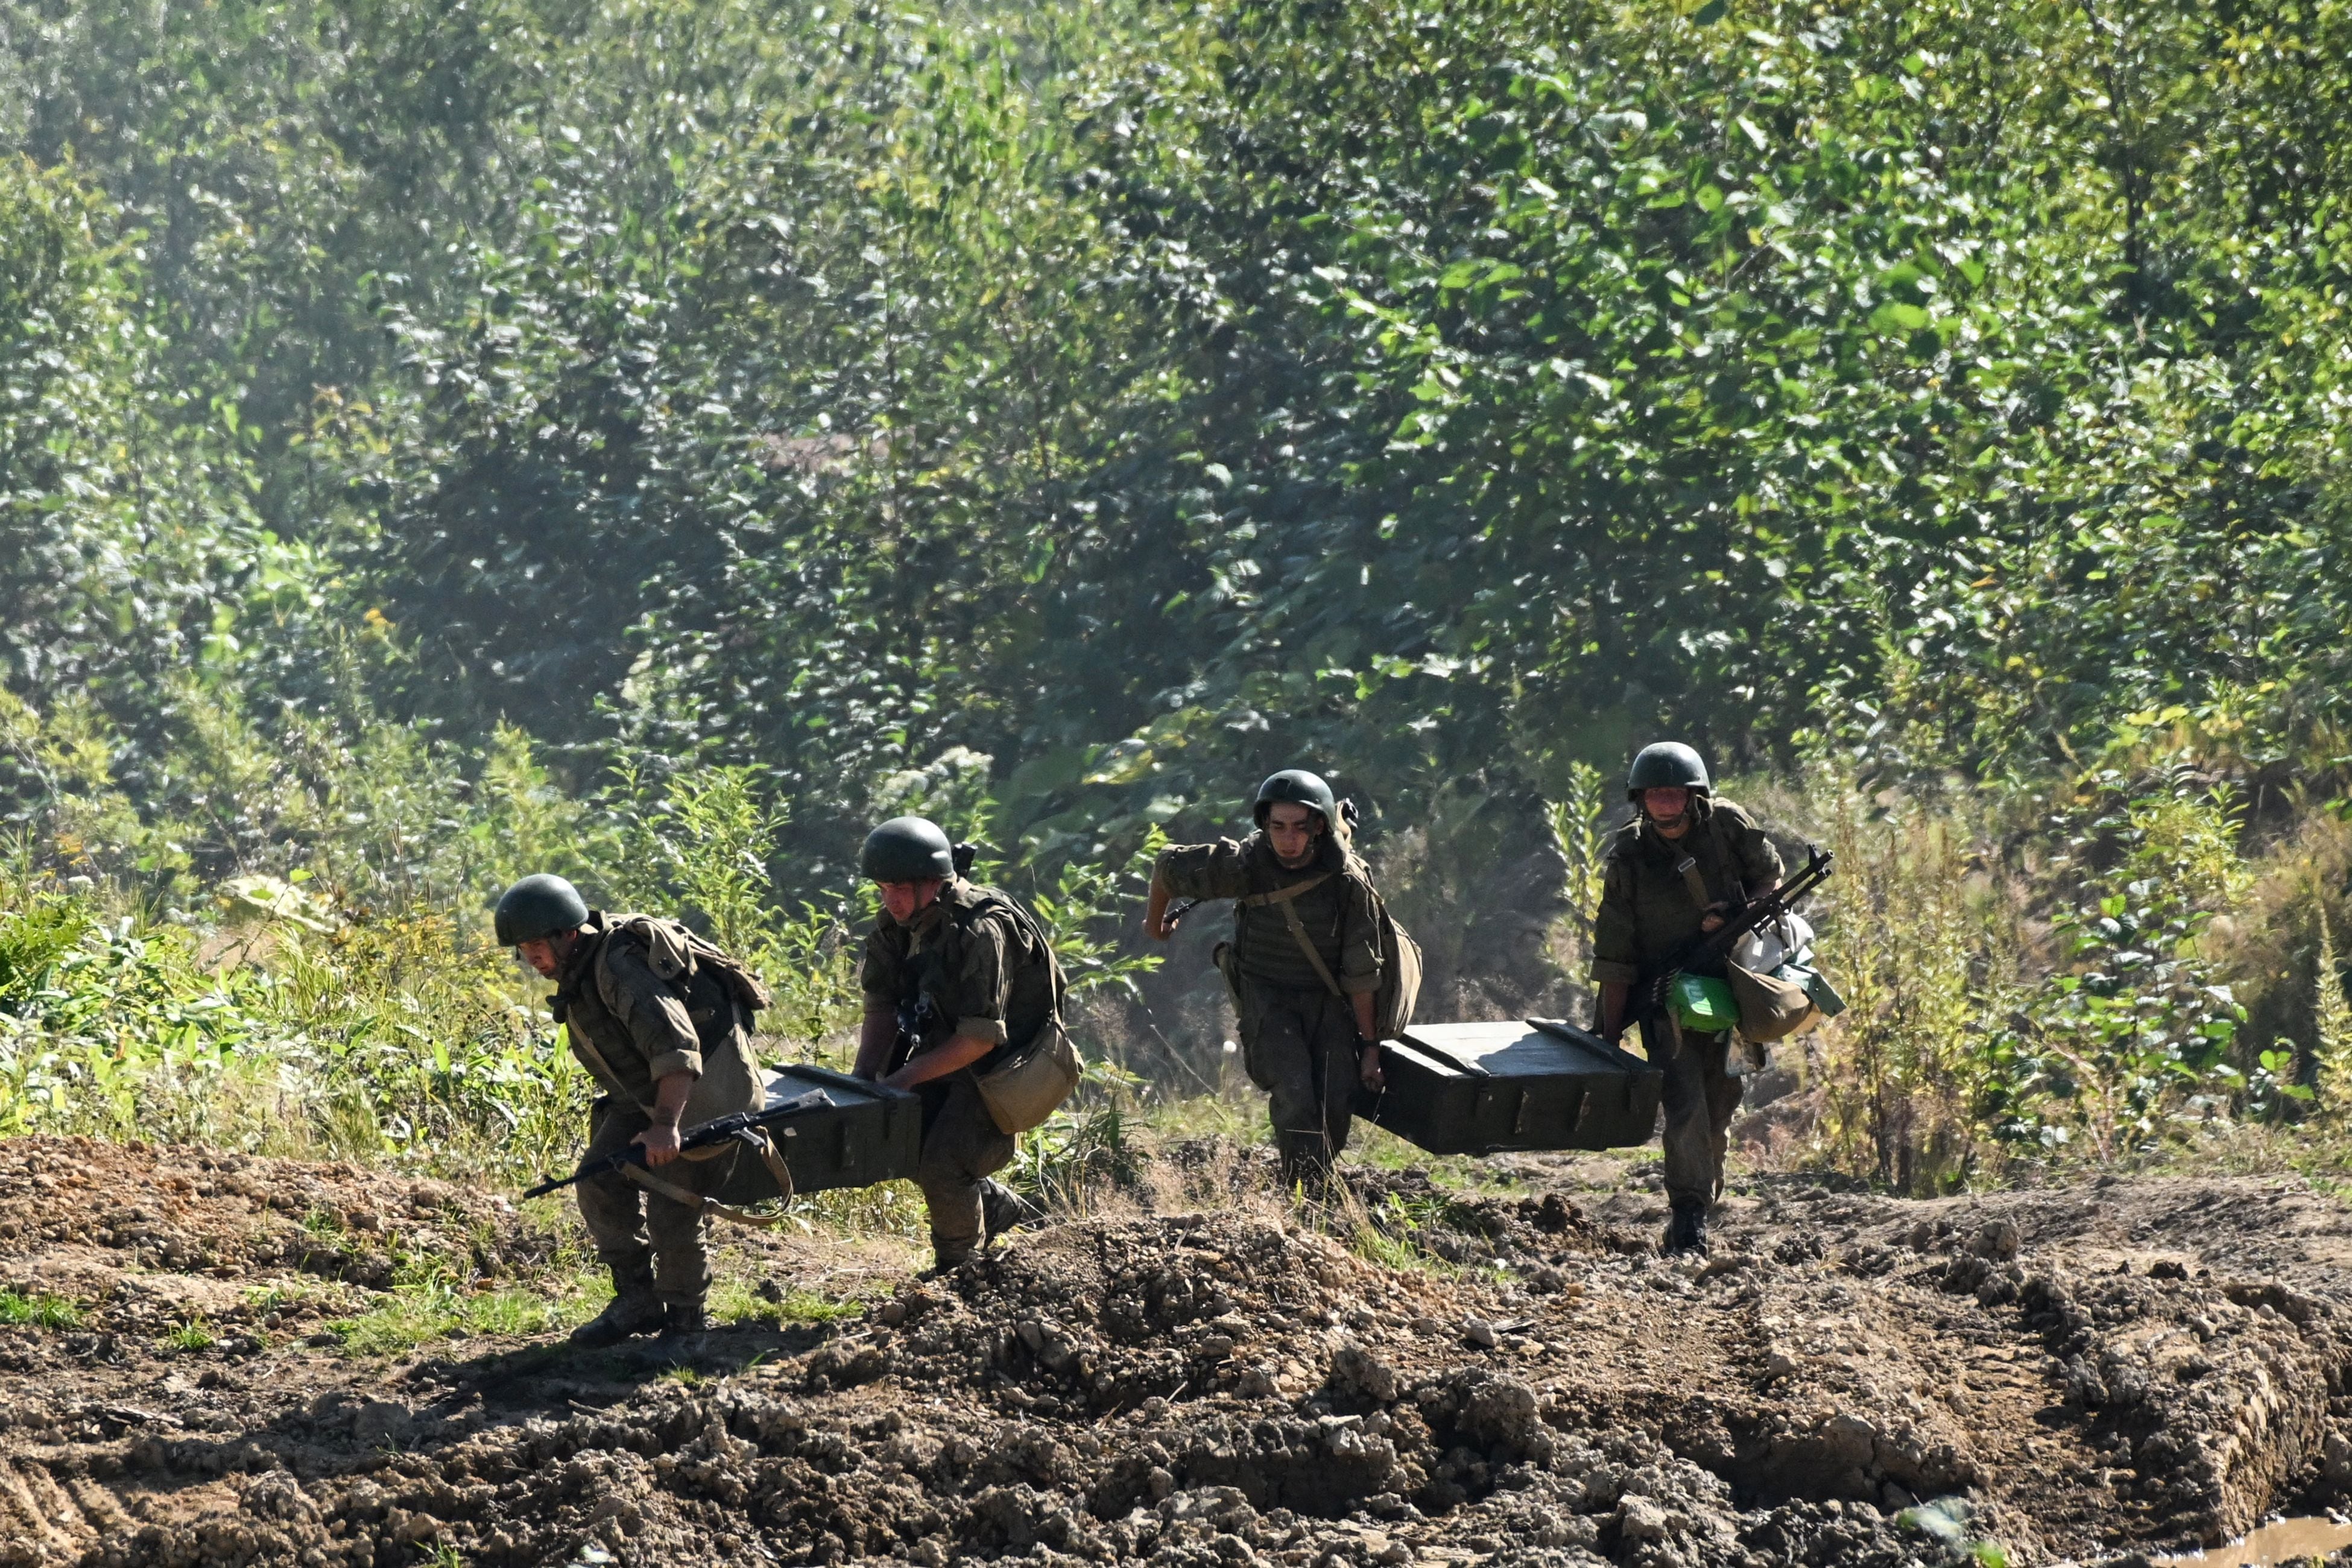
192, 1335
732, 1302
39, 1311
429, 1303
892, 1208
1387, 1233
1384, 1150
295, 1295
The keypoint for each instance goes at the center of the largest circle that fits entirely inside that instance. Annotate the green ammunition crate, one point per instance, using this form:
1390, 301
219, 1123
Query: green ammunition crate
866, 1135
1490, 1088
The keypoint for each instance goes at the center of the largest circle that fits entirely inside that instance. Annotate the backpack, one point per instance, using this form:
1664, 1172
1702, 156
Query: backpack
1399, 986
677, 955
1022, 1091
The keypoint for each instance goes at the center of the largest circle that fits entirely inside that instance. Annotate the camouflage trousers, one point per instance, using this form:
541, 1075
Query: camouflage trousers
1300, 1048
963, 1147
647, 1240
1699, 1099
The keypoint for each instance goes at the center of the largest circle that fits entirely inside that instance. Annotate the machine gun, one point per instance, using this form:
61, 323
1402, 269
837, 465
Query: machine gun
1649, 997
741, 1126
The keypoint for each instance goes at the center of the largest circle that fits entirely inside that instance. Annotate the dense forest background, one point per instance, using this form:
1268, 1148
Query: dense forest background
652, 438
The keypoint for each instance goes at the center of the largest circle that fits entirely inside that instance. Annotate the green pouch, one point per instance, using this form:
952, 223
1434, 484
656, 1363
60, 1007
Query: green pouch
1702, 1004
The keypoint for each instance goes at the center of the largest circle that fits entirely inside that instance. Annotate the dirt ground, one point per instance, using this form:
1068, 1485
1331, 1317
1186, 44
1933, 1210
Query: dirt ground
2082, 1375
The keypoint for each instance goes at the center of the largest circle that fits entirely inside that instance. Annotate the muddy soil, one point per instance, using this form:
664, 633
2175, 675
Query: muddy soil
2084, 1374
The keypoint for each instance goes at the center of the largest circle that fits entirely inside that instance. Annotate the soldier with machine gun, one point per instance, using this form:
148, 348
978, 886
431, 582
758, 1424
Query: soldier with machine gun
1685, 865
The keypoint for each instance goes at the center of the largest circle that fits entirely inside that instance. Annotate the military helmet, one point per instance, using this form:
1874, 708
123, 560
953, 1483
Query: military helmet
906, 849
1299, 787
1668, 763
537, 907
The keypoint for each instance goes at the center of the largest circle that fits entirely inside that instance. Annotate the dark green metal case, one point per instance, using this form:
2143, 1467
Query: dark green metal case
1490, 1088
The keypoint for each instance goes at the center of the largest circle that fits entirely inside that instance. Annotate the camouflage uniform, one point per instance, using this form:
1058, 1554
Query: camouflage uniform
630, 1027
1298, 1041
1647, 910
987, 974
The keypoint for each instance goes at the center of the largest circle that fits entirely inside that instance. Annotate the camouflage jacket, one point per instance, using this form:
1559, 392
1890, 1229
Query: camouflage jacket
1338, 913
982, 965
1646, 908
615, 1006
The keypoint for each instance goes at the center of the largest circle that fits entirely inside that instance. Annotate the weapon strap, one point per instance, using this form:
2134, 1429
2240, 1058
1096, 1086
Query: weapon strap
1695, 883
1284, 898
769, 1156
587, 1048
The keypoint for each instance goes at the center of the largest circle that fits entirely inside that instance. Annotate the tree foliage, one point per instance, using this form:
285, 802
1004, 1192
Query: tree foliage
1145, 398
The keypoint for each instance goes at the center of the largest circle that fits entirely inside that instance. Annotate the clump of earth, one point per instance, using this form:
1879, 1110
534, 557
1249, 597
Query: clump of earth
1218, 1376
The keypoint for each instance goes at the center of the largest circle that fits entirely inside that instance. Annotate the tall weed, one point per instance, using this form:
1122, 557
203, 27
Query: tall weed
2127, 1038
1924, 951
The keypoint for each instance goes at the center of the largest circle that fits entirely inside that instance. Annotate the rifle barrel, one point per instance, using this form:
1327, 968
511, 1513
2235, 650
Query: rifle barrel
718, 1130
1649, 993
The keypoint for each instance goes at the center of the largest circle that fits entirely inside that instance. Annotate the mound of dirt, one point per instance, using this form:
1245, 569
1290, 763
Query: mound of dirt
2084, 1374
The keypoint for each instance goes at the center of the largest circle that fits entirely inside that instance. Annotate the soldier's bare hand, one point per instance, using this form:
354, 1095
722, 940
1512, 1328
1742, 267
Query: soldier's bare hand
660, 1144
1159, 930
1368, 1068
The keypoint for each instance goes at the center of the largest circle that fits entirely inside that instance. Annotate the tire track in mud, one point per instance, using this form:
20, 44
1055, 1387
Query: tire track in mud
48, 1516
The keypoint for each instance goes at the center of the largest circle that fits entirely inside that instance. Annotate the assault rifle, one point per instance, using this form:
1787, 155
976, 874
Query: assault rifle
1649, 997
722, 1130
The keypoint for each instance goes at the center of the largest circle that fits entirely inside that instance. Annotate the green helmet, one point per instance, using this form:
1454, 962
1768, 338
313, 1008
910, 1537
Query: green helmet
1299, 787
1668, 763
538, 907
906, 849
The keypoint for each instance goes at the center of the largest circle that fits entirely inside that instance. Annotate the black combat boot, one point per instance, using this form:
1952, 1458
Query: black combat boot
1003, 1209
1686, 1229
947, 1258
680, 1319
633, 1309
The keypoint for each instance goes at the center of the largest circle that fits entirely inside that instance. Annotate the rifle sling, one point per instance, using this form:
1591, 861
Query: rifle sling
1285, 898
766, 1146
1695, 883
587, 1048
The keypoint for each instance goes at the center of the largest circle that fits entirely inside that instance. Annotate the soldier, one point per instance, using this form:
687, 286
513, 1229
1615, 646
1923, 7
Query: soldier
661, 1020
971, 981
1304, 964
1683, 864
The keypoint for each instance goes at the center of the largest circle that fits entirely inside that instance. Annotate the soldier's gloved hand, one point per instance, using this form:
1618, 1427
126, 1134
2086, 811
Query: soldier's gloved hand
660, 1144
1368, 1064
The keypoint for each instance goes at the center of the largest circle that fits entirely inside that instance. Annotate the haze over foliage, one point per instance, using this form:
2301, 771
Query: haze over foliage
433, 429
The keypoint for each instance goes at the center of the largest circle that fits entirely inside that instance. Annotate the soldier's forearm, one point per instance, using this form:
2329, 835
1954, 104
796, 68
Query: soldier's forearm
669, 1098
876, 1036
941, 1059
1367, 1027
1155, 908
1613, 996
